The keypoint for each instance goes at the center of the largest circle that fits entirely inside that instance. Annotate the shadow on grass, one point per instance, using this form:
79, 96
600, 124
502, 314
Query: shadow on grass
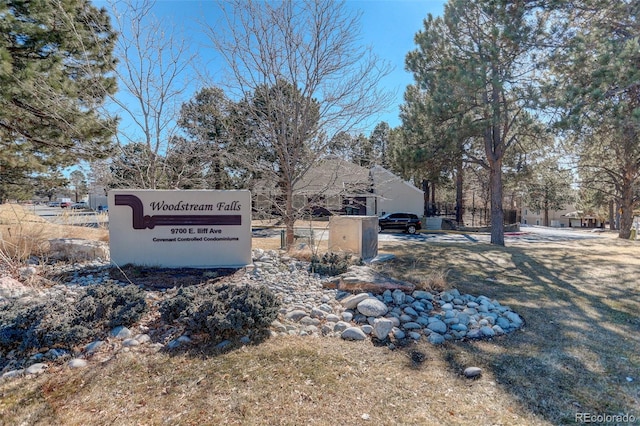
579, 351
207, 348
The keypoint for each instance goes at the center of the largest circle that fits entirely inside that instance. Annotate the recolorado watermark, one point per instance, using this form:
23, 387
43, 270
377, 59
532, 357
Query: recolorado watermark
605, 418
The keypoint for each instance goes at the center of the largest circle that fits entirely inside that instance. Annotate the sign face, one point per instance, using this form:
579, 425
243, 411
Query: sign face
182, 228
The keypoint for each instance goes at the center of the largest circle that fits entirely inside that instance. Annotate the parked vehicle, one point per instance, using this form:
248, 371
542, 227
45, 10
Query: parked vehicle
80, 205
65, 204
407, 222
53, 204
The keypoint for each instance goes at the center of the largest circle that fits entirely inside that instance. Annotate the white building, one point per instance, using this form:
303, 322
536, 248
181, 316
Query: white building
336, 186
557, 218
393, 194
568, 217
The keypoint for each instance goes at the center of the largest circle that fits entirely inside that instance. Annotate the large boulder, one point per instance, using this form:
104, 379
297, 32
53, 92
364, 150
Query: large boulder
364, 279
77, 249
11, 288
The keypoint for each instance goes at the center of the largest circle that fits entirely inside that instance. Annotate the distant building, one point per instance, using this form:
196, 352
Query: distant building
336, 186
393, 194
569, 217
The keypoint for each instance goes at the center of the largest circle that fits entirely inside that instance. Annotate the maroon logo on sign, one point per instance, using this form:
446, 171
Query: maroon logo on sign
140, 221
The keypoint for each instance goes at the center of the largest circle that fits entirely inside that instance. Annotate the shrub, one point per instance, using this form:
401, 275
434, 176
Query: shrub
436, 281
186, 303
332, 263
113, 304
222, 311
63, 322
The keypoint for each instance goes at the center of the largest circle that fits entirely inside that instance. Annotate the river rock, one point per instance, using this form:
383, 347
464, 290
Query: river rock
382, 327
353, 333
410, 311
436, 339
398, 296
296, 315
411, 326
421, 294
437, 326
341, 326
37, 368
472, 372
77, 363
352, 301
121, 332
372, 307
514, 318
399, 334
414, 335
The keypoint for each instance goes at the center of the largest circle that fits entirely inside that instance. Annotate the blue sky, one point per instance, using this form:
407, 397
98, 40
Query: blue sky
387, 26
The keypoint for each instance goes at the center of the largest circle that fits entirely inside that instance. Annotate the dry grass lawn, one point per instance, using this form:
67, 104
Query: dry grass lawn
22, 233
579, 345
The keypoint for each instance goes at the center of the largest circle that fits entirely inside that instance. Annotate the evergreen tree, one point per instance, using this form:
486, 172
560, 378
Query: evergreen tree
379, 140
282, 130
207, 153
362, 151
55, 60
49, 184
79, 184
549, 188
474, 82
597, 83
129, 166
341, 145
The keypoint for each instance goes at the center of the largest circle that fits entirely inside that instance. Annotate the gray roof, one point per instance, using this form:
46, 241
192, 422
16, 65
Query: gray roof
334, 176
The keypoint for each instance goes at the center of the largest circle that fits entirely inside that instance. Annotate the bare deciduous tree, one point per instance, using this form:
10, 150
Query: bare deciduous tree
304, 55
153, 77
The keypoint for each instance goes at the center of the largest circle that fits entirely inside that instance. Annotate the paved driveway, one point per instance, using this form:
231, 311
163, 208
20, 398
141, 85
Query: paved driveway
527, 234
69, 216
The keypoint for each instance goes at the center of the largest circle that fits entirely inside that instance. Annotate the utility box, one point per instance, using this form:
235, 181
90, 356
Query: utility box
357, 235
433, 223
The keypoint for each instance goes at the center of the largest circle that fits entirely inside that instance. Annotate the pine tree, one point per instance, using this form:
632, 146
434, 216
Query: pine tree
380, 142
549, 187
473, 70
55, 60
597, 83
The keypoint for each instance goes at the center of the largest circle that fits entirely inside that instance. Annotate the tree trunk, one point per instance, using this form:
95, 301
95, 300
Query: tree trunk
626, 221
546, 213
425, 189
289, 217
612, 217
497, 213
546, 217
459, 200
433, 198
626, 205
216, 171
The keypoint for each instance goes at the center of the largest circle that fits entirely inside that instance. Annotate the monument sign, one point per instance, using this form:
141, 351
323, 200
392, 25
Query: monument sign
182, 228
